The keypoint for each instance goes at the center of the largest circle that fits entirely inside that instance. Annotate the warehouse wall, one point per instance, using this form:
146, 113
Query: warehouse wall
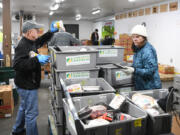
163, 30
85, 27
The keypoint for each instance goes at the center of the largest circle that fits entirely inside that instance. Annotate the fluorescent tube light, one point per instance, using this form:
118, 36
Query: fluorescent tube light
96, 11
78, 17
131, 0
55, 6
51, 13
1, 5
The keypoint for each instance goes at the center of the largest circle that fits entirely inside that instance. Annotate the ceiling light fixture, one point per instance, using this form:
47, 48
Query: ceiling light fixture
51, 13
96, 11
131, 0
78, 17
59, 1
55, 6
1, 5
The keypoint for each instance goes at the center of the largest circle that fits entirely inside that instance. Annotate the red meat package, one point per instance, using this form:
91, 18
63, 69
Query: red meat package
98, 111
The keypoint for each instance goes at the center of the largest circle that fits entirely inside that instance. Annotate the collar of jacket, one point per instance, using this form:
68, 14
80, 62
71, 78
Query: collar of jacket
28, 40
139, 48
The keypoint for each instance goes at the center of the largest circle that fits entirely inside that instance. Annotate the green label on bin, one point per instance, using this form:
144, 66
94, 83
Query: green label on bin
138, 123
71, 120
77, 60
118, 131
121, 75
54, 57
77, 75
108, 53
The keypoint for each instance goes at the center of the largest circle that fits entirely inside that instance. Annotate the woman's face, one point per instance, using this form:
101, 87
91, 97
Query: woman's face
138, 40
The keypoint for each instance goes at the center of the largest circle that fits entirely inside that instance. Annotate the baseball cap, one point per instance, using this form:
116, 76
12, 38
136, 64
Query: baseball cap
28, 25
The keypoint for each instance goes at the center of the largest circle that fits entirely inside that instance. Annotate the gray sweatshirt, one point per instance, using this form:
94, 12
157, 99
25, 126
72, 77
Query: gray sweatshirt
62, 38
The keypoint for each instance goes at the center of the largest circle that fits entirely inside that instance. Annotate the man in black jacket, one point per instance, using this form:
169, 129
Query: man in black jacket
95, 37
27, 64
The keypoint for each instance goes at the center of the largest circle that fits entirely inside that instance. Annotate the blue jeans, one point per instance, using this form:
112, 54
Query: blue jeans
28, 112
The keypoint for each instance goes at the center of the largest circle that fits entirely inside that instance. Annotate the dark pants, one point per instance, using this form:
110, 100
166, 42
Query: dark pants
95, 43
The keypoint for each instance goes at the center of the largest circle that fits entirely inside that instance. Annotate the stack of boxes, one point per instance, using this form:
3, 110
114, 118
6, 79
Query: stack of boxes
126, 41
6, 101
44, 51
166, 72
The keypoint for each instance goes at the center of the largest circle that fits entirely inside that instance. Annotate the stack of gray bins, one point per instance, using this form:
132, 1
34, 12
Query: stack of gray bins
158, 124
71, 63
110, 61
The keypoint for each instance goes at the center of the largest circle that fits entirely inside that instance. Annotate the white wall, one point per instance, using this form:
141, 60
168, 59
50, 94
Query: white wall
163, 32
85, 27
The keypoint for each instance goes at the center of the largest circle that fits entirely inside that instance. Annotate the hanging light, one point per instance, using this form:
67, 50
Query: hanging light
59, 1
55, 6
96, 11
51, 13
78, 17
131, 0
1, 5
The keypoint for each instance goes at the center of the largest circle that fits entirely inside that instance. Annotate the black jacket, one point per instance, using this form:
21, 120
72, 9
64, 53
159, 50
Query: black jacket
28, 70
93, 38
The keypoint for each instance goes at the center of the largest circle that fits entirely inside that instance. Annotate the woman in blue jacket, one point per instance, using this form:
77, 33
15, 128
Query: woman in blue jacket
145, 63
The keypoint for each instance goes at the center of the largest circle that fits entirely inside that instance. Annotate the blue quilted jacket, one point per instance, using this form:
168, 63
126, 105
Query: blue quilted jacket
145, 63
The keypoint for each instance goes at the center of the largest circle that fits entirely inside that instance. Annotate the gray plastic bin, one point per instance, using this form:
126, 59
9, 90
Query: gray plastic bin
59, 115
60, 128
136, 126
76, 74
106, 88
109, 54
115, 75
73, 57
160, 124
176, 82
123, 89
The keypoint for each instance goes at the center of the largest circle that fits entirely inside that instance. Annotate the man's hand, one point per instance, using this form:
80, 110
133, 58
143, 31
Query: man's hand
53, 29
43, 59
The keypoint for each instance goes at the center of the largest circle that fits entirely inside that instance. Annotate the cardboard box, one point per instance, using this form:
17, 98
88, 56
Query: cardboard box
6, 101
43, 50
166, 69
175, 128
166, 77
42, 74
47, 67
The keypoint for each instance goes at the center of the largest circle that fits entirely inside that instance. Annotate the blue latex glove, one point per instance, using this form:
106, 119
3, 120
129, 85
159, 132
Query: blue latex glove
53, 29
43, 59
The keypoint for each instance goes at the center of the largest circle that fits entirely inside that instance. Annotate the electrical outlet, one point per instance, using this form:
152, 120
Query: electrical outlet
171, 60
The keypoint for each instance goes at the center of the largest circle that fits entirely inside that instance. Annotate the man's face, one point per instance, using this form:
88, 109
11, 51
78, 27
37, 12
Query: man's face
138, 40
32, 34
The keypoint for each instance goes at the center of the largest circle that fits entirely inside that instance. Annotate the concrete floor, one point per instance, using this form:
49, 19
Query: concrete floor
44, 110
